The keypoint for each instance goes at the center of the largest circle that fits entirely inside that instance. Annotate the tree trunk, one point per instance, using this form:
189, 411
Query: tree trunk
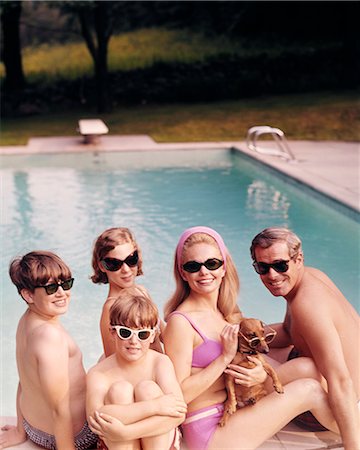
10, 21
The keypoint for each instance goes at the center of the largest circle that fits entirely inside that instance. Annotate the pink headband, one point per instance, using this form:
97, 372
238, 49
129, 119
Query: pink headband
190, 231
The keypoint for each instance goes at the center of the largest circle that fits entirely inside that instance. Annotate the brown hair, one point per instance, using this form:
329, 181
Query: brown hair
36, 268
270, 236
133, 308
229, 289
106, 242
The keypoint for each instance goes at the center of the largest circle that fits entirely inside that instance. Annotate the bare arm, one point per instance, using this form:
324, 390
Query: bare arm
107, 339
178, 340
322, 337
13, 435
53, 369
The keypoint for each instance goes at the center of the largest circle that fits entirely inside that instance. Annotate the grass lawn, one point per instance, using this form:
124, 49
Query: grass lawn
311, 116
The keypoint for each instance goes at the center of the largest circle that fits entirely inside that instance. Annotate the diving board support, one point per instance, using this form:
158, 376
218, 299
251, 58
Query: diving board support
283, 150
92, 129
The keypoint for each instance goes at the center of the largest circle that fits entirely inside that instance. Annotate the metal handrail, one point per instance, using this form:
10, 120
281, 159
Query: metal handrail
283, 150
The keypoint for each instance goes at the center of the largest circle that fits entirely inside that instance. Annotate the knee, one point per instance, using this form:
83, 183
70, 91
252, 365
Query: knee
147, 390
120, 392
308, 369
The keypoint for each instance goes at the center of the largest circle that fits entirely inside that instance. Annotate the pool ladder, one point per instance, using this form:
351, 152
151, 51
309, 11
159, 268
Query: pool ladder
283, 150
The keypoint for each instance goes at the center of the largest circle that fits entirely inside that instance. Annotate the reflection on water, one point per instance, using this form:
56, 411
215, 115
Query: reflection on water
63, 202
261, 198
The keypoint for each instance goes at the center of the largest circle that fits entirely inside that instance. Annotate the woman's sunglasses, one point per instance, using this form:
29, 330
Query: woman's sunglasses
263, 268
195, 266
53, 287
126, 333
254, 342
114, 264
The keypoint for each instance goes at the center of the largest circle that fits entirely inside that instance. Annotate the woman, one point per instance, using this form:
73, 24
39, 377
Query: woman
201, 342
116, 260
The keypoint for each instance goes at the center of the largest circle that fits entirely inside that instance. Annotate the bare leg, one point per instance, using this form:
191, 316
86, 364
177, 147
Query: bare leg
148, 390
121, 393
273, 412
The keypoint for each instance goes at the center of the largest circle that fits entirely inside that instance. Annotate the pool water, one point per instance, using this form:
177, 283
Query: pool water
63, 202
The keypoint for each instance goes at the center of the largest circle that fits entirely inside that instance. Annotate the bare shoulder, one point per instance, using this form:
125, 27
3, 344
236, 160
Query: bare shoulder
103, 366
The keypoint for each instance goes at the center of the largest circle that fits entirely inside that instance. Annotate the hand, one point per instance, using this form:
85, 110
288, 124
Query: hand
229, 340
248, 377
11, 436
107, 427
169, 405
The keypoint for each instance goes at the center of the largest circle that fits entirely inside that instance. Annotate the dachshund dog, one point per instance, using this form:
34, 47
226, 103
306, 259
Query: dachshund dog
254, 336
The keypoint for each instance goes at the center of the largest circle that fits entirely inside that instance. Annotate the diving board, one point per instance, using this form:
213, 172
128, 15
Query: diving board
92, 129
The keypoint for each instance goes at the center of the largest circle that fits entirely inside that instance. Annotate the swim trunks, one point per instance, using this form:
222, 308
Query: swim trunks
85, 439
306, 420
199, 426
205, 353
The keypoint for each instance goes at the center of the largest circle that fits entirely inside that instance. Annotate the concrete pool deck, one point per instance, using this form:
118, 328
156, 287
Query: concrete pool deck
331, 168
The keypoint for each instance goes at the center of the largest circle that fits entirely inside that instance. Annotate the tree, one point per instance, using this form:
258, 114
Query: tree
96, 20
11, 47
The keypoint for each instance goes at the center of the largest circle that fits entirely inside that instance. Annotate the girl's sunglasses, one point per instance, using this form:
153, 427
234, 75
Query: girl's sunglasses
263, 268
254, 342
195, 266
53, 287
114, 264
126, 333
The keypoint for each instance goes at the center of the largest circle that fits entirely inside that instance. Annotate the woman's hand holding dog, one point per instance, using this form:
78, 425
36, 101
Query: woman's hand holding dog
248, 377
229, 340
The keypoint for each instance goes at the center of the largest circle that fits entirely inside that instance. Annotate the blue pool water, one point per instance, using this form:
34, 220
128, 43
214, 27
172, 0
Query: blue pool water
63, 202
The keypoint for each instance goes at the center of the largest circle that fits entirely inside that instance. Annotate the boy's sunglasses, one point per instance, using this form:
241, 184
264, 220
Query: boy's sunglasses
126, 333
53, 287
114, 264
254, 342
280, 266
195, 266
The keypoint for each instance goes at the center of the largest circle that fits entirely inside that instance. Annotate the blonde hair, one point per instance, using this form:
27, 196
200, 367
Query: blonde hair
229, 289
133, 308
36, 269
270, 236
106, 242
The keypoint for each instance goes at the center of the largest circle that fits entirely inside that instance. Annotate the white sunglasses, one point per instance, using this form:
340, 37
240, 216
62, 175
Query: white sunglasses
126, 333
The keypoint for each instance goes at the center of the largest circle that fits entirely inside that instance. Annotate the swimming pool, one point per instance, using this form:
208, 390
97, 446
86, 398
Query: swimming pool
62, 202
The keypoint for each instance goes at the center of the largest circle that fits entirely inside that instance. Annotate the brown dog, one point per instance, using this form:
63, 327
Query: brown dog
253, 339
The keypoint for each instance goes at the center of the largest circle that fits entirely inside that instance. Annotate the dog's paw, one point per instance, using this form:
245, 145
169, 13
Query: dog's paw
222, 422
250, 401
278, 388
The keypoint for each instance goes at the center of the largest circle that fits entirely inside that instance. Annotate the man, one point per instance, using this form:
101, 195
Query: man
319, 322
52, 381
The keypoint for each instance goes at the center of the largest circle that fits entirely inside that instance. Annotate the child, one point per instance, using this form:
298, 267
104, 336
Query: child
116, 260
52, 390
135, 388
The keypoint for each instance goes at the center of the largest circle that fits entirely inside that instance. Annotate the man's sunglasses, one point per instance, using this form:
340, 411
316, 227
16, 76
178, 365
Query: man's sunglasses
195, 266
263, 268
126, 333
53, 287
254, 342
114, 264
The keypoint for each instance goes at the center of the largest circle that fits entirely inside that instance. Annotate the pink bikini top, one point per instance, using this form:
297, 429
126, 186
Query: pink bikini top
205, 353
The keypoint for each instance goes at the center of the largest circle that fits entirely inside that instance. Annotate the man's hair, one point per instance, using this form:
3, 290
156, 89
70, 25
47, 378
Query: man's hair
270, 236
134, 309
106, 242
36, 269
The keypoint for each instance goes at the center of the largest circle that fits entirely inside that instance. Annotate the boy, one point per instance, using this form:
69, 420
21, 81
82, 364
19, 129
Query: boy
133, 397
51, 392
